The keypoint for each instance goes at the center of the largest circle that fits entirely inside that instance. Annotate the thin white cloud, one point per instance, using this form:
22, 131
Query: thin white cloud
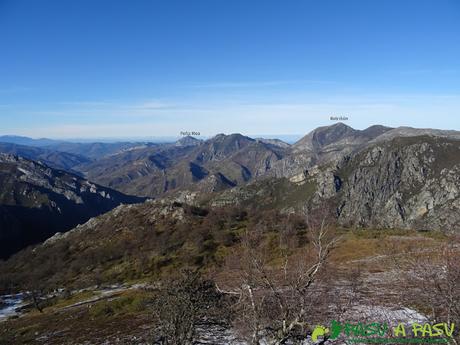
426, 71
255, 84
92, 109
85, 103
151, 105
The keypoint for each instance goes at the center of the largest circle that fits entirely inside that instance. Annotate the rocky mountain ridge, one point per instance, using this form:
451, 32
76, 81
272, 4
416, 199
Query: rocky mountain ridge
406, 182
36, 201
225, 162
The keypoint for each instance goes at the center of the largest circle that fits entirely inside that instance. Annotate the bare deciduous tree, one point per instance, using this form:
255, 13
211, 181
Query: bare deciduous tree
431, 282
180, 305
275, 280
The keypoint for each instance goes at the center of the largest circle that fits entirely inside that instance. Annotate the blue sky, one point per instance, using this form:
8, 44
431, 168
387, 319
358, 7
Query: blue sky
94, 68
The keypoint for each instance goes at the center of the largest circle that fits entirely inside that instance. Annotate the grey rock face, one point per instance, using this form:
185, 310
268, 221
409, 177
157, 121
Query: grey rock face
404, 183
293, 164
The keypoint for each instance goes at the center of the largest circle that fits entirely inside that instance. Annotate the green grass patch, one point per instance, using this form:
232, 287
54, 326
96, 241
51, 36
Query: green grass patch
75, 298
126, 304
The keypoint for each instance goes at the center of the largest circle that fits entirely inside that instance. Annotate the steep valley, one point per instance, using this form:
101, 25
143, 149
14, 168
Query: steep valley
37, 201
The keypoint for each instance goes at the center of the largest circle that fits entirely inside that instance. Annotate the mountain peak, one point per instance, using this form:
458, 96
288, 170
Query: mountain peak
338, 125
323, 136
188, 141
222, 145
230, 137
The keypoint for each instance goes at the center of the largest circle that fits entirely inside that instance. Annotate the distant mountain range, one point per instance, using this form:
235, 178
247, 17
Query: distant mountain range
90, 150
52, 158
19, 140
221, 162
378, 177
226, 161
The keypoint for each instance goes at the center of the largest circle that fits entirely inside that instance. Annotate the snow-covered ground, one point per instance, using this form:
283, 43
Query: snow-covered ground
9, 304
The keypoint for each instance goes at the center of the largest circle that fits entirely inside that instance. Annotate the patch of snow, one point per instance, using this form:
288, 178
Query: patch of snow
389, 314
9, 304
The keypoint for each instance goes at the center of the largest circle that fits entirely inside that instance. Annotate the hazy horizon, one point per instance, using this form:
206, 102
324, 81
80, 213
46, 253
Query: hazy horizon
158, 138
288, 138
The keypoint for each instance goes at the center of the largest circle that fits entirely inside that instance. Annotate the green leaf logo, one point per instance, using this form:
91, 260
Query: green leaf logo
319, 331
